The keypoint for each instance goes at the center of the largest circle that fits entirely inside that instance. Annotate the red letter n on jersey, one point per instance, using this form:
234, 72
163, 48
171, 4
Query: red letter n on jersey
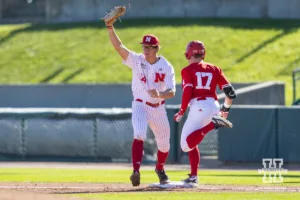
159, 77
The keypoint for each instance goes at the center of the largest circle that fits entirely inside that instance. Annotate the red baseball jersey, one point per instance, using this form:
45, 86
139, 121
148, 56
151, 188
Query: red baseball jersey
203, 78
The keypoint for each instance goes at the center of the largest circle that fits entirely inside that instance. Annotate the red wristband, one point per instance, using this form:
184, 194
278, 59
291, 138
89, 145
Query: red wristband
109, 27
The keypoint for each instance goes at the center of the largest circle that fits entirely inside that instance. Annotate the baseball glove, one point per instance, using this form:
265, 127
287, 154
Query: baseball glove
114, 14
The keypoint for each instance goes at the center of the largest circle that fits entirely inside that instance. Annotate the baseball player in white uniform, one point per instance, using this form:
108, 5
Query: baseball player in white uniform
153, 81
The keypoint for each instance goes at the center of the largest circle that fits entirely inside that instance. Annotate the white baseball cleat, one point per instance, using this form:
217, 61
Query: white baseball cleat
221, 122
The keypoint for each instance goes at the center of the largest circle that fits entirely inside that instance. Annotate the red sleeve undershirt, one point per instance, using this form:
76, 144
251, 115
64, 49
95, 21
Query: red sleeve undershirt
186, 97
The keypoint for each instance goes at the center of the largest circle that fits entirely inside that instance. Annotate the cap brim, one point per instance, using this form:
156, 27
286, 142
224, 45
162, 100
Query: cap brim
149, 44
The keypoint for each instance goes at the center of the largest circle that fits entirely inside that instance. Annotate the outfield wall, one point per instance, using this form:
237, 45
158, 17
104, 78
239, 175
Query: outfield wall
118, 95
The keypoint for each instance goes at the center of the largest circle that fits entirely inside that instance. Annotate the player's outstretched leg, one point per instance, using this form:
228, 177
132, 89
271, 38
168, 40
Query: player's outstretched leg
163, 178
135, 178
221, 122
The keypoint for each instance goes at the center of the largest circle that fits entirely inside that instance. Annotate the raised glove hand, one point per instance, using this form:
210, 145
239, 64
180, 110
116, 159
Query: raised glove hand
224, 111
178, 116
113, 15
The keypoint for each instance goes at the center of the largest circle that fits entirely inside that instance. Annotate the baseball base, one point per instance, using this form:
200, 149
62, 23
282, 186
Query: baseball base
173, 185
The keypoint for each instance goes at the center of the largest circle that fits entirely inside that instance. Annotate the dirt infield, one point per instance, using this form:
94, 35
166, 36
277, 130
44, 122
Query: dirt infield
62, 191
80, 188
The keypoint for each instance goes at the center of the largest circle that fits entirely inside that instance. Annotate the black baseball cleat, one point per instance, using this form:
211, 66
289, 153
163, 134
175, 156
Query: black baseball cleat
135, 178
221, 122
163, 178
191, 179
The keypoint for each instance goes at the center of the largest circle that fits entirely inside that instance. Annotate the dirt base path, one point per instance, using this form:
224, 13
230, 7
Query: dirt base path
77, 188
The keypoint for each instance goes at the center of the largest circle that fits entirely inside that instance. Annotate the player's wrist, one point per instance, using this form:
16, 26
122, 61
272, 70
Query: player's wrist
224, 108
227, 105
181, 111
109, 27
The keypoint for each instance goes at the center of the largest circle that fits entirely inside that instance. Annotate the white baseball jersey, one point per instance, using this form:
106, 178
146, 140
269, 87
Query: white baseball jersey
145, 76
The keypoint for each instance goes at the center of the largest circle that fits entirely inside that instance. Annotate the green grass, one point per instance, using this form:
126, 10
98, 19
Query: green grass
193, 196
248, 50
148, 176
43, 175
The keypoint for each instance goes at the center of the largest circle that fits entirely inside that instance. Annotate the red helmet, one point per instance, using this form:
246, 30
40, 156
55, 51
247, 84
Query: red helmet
193, 48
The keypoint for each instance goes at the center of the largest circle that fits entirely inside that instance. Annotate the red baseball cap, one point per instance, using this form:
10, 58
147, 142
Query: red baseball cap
150, 40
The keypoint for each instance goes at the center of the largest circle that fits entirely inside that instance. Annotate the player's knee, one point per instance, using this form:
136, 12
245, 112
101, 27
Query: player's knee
139, 137
184, 146
164, 147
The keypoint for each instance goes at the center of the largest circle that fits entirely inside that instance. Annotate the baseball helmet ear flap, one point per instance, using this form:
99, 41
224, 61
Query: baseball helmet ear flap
186, 55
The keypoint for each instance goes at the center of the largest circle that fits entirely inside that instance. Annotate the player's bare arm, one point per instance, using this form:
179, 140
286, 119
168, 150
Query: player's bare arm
167, 94
116, 42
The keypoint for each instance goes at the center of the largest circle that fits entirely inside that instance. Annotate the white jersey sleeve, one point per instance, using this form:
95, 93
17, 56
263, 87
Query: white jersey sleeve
132, 60
170, 78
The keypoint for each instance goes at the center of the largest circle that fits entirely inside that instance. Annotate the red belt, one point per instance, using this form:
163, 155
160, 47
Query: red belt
154, 105
201, 98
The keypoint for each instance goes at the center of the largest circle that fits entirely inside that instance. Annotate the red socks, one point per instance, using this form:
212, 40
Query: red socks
194, 157
137, 154
197, 136
161, 159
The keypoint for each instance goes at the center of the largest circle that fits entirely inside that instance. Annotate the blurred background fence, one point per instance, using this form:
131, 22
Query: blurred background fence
106, 135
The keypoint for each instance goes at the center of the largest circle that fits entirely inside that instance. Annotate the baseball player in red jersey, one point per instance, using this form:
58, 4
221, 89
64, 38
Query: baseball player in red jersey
153, 81
199, 82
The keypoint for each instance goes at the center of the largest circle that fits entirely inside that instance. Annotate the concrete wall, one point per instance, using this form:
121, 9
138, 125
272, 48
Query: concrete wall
78, 10
266, 93
284, 9
117, 95
70, 10
1, 9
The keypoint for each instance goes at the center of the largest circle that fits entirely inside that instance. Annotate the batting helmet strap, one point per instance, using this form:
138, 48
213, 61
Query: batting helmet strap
193, 48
